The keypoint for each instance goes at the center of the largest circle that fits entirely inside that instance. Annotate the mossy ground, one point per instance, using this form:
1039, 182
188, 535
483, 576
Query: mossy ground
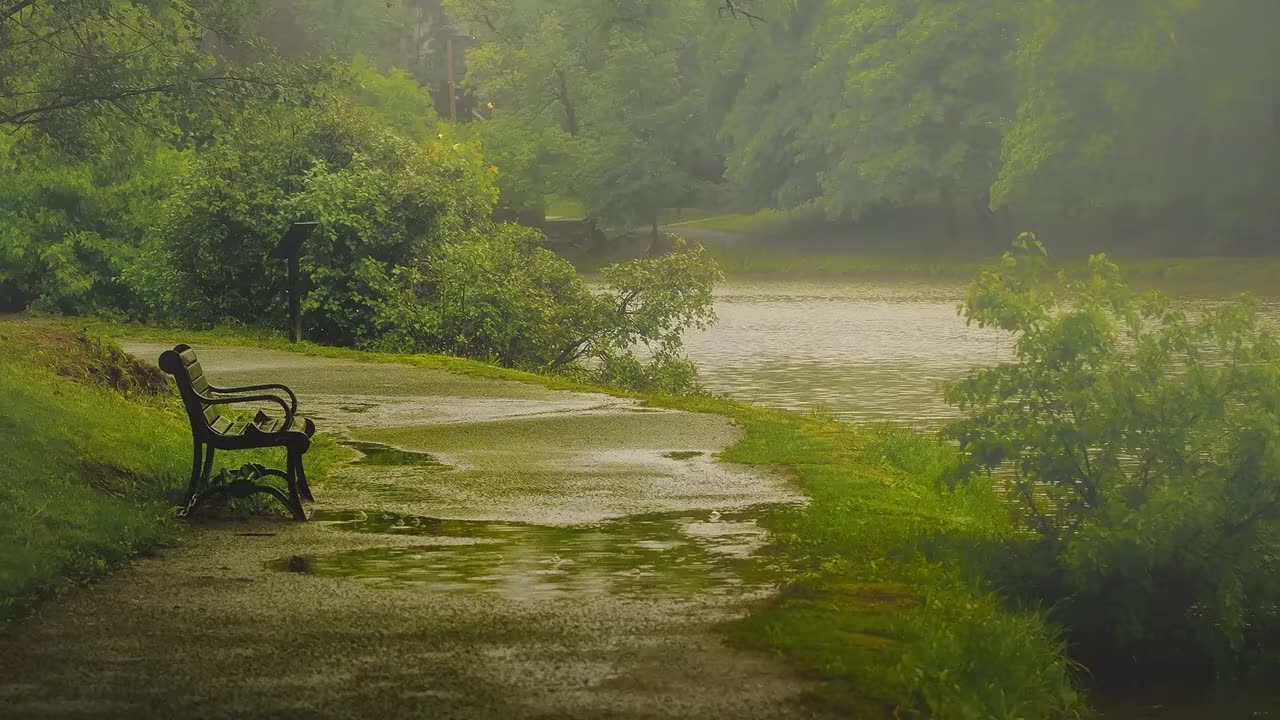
95, 452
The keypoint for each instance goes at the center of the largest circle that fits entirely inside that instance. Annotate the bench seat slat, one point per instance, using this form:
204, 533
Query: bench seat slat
269, 425
201, 384
222, 425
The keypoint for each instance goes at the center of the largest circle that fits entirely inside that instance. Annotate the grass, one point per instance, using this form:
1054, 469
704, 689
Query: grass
893, 613
567, 207
765, 223
96, 451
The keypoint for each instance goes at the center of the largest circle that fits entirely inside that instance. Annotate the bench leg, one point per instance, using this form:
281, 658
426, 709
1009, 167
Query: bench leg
207, 472
197, 461
303, 487
295, 498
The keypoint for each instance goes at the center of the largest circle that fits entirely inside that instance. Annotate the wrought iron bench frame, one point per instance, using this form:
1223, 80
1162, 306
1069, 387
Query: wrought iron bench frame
211, 430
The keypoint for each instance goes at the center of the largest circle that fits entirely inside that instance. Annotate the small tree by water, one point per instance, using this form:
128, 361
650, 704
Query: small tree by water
1140, 442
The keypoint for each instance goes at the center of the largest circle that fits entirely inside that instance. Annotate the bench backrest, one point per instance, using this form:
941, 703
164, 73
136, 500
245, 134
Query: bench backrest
182, 363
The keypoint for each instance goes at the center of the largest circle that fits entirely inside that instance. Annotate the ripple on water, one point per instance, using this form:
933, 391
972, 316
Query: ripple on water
673, 554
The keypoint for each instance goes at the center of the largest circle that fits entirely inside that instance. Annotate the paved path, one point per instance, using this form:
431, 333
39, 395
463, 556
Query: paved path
520, 553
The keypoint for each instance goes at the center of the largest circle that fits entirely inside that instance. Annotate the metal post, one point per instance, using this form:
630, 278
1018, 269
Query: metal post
289, 250
295, 312
453, 95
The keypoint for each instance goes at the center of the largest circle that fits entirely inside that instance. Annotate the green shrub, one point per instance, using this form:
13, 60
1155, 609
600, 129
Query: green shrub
72, 219
1139, 443
376, 195
497, 296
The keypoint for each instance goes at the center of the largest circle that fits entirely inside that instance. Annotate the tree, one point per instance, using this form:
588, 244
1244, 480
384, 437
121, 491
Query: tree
67, 61
1107, 90
618, 83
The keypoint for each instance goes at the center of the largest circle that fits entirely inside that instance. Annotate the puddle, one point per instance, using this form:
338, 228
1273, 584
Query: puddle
377, 454
671, 554
683, 454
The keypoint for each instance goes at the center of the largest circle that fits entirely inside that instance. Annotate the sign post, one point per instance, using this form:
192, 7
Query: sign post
290, 249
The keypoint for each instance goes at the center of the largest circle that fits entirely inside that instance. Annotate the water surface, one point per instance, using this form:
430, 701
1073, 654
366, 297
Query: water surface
862, 351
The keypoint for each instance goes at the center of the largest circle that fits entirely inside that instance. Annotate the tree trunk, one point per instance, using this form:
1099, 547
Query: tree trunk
570, 114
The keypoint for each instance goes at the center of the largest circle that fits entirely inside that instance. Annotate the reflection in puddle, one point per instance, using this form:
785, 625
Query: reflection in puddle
377, 454
669, 554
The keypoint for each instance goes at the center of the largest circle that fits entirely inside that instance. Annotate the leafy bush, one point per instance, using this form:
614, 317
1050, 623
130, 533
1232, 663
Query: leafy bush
377, 196
72, 219
1139, 442
497, 296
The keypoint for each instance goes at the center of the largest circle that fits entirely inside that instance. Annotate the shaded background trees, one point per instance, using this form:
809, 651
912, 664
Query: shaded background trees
932, 124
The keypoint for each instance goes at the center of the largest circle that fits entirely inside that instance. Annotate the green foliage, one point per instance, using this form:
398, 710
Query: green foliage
72, 220
394, 98
1139, 441
378, 197
983, 115
606, 96
498, 297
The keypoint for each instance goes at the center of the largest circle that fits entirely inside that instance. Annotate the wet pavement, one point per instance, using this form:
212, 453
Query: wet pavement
494, 550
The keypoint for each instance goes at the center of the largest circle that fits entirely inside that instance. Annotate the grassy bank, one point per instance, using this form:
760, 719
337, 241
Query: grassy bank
748, 247
95, 452
1198, 276
894, 614
275, 340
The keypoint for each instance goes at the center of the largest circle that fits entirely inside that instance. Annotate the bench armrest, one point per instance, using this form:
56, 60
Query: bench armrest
288, 412
293, 399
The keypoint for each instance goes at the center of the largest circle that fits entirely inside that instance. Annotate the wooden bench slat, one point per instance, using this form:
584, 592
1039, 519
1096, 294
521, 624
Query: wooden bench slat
221, 425
269, 425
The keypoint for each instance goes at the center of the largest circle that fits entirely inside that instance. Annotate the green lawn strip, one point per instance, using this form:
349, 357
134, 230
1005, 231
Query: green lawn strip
760, 224
89, 473
565, 207
1191, 276
893, 612
258, 338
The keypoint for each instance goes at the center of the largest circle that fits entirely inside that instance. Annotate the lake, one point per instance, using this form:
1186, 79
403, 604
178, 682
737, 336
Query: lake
863, 351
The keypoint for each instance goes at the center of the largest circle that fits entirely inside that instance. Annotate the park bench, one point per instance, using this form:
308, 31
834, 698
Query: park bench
212, 430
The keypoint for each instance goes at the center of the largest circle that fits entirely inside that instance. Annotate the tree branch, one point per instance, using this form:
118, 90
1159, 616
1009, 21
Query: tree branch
9, 12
